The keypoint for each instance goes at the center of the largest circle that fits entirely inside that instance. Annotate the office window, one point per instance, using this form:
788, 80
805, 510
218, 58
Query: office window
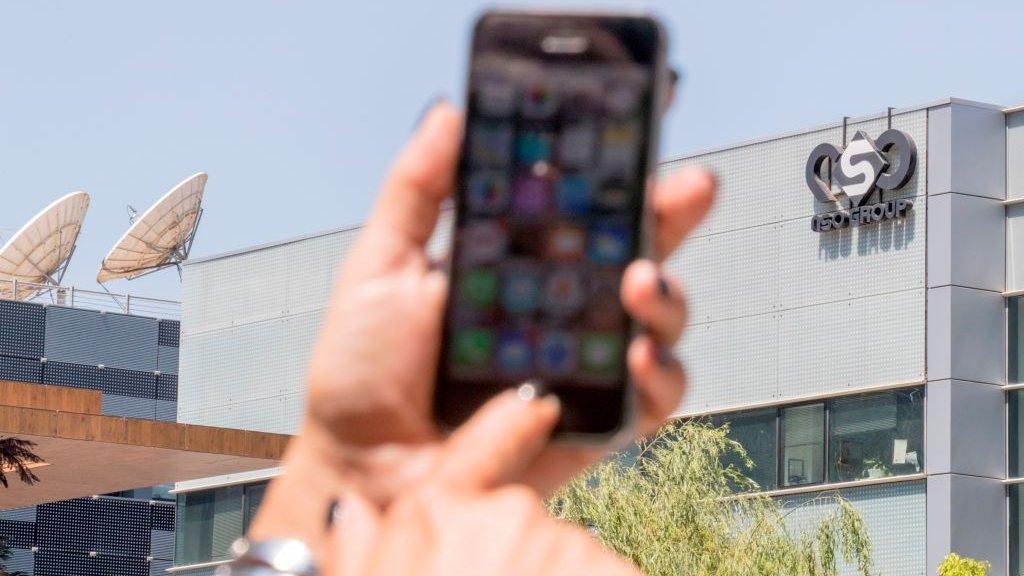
1014, 423
208, 522
803, 444
253, 498
756, 432
1016, 538
876, 436
1015, 338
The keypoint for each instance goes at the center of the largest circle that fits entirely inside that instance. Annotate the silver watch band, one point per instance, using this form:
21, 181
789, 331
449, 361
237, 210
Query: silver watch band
277, 557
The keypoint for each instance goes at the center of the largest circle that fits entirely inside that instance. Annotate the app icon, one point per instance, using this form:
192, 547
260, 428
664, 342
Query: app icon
531, 194
540, 101
557, 353
496, 97
621, 99
619, 147
567, 242
609, 243
520, 291
573, 194
482, 242
472, 347
582, 96
534, 146
479, 288
602, 352
604, 309
490, 144
613, 196
576, 145
515, 354
564, 293
488, 192
528, 239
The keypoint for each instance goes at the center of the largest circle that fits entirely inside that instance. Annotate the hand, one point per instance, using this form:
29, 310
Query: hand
462, 517
371, 377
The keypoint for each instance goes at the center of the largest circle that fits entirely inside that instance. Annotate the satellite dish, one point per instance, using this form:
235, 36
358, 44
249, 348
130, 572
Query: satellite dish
39, 253
161, 237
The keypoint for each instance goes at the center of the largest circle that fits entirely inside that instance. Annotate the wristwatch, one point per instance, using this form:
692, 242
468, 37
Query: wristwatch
277, 557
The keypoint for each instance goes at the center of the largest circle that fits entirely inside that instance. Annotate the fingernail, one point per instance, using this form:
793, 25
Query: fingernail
663, 288
665, 356
333, 512
434, 101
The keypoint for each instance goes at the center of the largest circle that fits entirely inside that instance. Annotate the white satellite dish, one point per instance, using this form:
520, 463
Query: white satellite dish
39, 253
161, 237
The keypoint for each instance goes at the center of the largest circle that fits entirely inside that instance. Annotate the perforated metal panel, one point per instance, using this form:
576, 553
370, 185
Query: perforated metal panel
894, 515
167, 387
162, 544
165, 410
21, 560
169, 333
73, 375
27, 514
18, 534
20, 369
22, 325
89, 337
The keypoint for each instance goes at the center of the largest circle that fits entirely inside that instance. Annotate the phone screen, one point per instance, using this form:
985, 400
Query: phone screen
549, 212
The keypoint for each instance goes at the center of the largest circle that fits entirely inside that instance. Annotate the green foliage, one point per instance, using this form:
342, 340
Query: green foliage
16, 454
956, 565
678, 510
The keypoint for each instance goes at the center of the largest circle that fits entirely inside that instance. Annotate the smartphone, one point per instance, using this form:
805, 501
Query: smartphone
561, 133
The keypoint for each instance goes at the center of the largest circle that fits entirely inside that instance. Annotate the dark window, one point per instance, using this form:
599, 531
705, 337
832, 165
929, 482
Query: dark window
208, 522
1014, 338
1016, 539
803, 444
876, 435
756, 432
1015, 422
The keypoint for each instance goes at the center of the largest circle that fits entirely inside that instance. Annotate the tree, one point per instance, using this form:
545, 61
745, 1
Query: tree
5, 555
956, 565
15, 456
679, 510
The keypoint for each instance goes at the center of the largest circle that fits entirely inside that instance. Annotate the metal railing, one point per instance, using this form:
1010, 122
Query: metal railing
90, 299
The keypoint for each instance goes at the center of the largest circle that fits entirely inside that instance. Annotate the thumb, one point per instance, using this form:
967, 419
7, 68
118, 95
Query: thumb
353, 536
499, 441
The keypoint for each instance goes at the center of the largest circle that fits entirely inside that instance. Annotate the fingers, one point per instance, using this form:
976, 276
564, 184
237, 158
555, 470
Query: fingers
353, 536
420, 179
499, 441
680, 201
659, 380
655, 300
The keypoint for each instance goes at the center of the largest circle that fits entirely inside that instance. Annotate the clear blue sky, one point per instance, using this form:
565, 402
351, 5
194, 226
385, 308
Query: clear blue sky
295, 108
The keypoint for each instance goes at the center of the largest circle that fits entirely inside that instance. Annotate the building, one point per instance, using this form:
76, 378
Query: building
96, 388
871, 346
856, 340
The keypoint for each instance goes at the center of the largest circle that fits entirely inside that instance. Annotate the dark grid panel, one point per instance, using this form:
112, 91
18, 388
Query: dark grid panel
58, 563
22, 329
18, 534
167, 387
104, 525
124, 382
72, 375
163, 517
170, 333
20, 369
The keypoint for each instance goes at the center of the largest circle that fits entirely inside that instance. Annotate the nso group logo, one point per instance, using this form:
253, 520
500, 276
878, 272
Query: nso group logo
862, 173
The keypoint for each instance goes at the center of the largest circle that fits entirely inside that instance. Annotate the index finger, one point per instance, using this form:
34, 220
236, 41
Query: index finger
680, 201
499, 441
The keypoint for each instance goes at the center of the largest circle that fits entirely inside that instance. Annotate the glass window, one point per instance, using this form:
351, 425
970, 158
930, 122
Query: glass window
756, 432
1014, 338
876, 435
253, 499
803, 444
1016, 539
208, 521
1014, 423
